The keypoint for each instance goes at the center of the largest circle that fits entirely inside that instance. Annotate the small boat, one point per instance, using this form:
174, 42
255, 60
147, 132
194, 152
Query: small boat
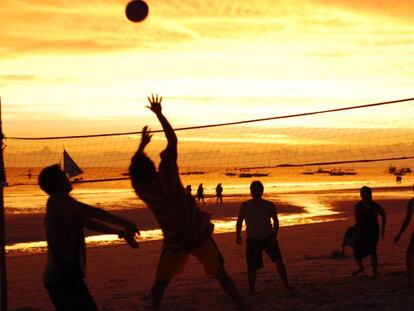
308, 172
245, 175
260, 174
193, 173
336, 172
392, 169
349, 171
321, 171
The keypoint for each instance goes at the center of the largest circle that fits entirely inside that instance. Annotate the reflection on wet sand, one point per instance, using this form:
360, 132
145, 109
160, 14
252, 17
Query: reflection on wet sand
316, 209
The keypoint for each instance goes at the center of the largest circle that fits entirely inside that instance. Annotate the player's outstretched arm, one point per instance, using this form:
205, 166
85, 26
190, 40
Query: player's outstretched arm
239, 224
275, 221
145, 139
155, 106
97, 226
86, 212
406, 221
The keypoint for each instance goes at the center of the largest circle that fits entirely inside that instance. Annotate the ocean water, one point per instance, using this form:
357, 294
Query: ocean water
29, 199
314, 193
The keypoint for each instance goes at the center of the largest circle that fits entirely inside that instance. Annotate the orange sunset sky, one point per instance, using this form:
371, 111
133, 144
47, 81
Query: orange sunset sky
80, 67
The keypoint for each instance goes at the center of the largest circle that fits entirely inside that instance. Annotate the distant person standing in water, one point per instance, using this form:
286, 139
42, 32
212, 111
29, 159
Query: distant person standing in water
261, 236
188, 190
200, 194
410, 249
367, 230
219, 194
65, 221
186, 229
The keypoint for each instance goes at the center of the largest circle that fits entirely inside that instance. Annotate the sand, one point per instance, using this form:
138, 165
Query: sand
120, 278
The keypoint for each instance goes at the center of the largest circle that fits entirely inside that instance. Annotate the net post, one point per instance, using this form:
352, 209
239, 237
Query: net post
3, 269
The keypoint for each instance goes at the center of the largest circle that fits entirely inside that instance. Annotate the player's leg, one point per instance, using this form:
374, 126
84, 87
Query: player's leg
209, 255
374, 264
409, 261
358, 255
157, 292
251, 278
254, 260
170, 264
272, 249
374, 259
71, 295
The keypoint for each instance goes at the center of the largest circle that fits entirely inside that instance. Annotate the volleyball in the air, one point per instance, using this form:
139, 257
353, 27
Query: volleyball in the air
136, 11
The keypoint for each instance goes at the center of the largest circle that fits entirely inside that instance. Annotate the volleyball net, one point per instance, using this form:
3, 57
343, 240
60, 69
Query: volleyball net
356, 134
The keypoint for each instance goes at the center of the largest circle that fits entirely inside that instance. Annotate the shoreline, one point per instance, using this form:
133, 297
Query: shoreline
335, 205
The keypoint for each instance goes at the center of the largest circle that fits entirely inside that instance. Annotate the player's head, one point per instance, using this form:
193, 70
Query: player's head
52, 180
256, 189
143, 169
366, 193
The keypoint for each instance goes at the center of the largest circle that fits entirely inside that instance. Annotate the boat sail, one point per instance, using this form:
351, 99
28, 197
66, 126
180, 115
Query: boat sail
69, 165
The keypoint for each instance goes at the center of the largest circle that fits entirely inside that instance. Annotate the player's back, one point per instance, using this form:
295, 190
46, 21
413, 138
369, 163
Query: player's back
258, 213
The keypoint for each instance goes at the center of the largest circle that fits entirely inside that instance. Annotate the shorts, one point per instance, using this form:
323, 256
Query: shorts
365, 247
254, 252
173, 262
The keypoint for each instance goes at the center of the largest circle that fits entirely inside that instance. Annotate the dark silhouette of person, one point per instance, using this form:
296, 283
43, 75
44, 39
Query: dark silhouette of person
189, 190
200, 193
348, 239
367, 230
186, 229
65, 221
261, 236
219, 194
410, 248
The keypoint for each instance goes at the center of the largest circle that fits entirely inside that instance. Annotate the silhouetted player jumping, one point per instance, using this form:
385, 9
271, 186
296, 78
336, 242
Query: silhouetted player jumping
186, 229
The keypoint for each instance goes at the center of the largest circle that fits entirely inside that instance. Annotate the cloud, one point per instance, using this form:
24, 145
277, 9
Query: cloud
327, 54
17, 77
396, 9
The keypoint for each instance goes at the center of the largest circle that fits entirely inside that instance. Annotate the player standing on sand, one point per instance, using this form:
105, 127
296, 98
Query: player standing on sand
186, 229
410, 249
367, 230
260, 235
219, 194
65, 221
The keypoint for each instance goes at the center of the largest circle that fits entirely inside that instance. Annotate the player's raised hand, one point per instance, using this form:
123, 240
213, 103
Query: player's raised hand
146, 136
155, 103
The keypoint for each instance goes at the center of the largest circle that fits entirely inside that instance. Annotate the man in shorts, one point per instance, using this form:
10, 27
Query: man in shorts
261, 236
186, 229
368, 230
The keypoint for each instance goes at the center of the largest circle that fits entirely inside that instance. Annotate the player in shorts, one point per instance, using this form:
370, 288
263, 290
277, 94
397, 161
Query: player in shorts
261, 235
186, 229
367, 230
410, 249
